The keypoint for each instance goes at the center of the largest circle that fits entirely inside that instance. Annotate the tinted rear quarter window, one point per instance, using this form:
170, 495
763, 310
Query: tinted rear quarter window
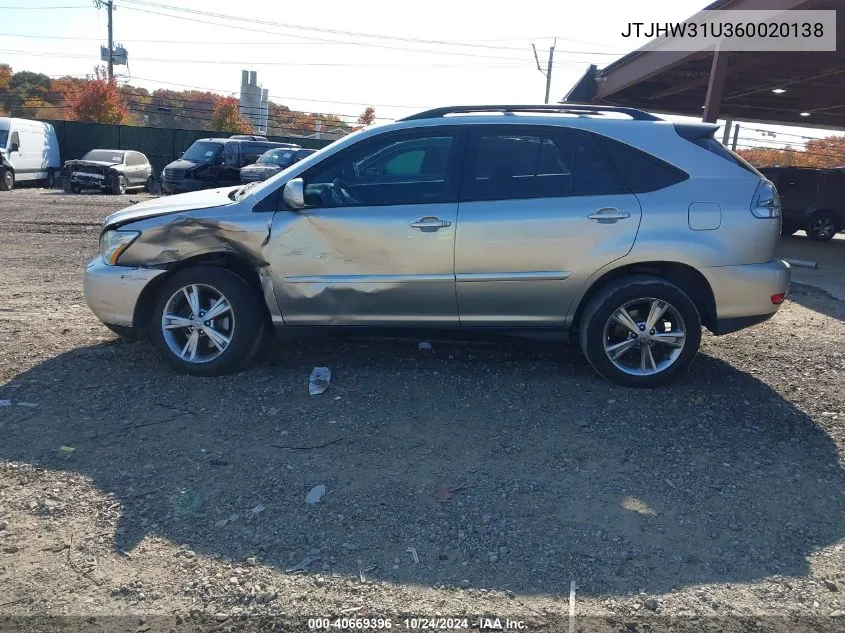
538, 163
641, 171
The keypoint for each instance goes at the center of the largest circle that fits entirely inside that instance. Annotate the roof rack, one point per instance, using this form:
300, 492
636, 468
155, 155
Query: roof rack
567, 108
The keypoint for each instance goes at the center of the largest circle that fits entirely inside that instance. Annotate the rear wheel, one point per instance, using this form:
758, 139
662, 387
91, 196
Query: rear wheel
822, 227
640, 332
207, 321
7, 180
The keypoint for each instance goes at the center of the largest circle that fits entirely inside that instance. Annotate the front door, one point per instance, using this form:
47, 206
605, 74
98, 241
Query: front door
375, 243
541, 210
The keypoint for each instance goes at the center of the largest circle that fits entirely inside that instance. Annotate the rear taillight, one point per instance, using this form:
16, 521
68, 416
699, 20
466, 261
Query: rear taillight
766, 203
778, 298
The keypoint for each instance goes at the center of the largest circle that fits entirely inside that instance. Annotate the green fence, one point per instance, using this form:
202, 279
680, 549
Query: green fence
161, 145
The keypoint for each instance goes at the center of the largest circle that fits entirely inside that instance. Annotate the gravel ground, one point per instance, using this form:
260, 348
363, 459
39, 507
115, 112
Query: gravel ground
127, 490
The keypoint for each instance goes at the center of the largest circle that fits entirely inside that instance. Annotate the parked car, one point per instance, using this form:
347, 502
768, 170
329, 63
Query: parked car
109, 170
606, 226
272, 162
29, 151
213, 162
811, 199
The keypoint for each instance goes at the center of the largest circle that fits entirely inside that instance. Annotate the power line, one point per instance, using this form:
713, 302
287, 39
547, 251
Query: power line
341, 42
268, 63
378, 105
320, 29
30, 8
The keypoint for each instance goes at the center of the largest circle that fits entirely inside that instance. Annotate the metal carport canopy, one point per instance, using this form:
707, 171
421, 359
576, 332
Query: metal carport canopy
729, 85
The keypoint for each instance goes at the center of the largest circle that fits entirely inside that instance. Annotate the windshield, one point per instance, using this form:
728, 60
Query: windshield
202, 151
104, 155
279, 157
4, 136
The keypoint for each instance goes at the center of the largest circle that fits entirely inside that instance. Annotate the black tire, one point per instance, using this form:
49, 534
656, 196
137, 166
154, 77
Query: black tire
786, 231
50, 180
75, 188
7, 180
119, 186
619, 293
249, 329
822, 226
148, 186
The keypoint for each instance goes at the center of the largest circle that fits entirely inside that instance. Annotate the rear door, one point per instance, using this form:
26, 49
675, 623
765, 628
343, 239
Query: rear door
541, 210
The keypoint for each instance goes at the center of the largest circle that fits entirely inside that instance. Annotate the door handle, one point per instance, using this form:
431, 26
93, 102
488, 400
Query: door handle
430, 222
609, 214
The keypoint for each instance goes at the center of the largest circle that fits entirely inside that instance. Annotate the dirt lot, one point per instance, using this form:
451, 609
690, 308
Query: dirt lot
126, 490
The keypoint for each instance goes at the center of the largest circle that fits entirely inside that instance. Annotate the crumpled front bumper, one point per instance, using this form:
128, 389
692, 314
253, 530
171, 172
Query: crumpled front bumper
112, 292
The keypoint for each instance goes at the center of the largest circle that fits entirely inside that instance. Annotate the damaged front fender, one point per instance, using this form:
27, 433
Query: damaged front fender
241, 234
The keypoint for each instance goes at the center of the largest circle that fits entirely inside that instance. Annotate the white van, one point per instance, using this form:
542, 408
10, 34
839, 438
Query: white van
29, 150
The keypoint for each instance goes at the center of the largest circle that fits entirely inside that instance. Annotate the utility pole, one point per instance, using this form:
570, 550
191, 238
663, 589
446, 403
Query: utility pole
736, 136
548, 71
109, 4
110, 8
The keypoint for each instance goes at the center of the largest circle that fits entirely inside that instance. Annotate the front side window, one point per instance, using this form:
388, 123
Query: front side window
392, 170
538, 163
230, 155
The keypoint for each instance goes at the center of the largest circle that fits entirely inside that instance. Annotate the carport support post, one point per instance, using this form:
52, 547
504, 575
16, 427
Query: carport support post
716, 86
726, 135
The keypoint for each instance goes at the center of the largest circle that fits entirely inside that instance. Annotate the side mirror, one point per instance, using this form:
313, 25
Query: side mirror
294, 194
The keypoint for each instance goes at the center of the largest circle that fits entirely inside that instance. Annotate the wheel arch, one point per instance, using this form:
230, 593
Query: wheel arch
229, 261
687, 278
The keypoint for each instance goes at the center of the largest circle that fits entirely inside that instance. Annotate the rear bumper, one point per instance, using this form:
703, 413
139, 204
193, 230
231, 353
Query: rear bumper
744, 293
112, 292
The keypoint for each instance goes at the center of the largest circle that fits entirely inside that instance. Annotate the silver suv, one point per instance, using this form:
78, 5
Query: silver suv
608, 226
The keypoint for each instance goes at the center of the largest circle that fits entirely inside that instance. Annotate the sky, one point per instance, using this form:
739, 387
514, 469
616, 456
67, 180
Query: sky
338, 57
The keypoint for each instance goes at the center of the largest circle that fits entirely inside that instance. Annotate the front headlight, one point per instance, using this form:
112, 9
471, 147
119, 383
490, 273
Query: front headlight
113, 243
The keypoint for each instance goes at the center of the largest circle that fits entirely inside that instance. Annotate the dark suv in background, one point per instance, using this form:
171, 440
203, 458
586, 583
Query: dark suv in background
811, 199
213, 162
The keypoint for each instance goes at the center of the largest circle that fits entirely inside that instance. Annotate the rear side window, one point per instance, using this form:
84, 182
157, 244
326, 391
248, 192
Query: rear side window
714, 146
512, 163
641, 171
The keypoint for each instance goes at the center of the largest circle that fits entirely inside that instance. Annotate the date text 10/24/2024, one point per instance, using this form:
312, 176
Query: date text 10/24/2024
417, 624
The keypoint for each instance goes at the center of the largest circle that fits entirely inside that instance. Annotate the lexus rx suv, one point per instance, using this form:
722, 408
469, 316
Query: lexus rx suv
606, 226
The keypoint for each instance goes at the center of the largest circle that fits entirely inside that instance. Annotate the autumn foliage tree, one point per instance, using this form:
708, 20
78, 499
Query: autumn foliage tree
817, 153
97, 100
227, 117
368, 116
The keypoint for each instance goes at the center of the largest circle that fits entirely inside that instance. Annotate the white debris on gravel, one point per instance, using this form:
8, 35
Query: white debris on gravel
315, 494
319, 380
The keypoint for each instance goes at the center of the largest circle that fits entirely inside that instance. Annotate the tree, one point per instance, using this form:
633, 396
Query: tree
817, 153
5, 76
226, 117
97, 100
368, 116
25, 92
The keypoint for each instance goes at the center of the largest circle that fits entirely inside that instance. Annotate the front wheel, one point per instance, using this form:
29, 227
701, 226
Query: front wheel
207, 321
822, 227
640, 332
119, 187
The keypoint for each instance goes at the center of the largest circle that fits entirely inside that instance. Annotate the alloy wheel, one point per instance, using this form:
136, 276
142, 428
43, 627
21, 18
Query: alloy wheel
198, 323
644, 336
